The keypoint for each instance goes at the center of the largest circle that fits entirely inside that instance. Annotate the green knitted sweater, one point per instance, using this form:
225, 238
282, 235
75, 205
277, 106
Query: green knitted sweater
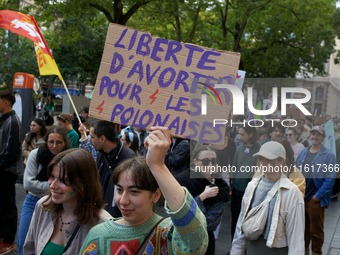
184, 232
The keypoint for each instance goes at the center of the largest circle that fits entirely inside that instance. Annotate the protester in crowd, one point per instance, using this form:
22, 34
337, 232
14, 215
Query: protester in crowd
84, 141
275, 132
140, 183
284, 224
237, 119
74, 205
177, 158
237, 139
210, 193
49, 121
292, 172
11, 165
130, 139
319, 185
309, 122
111, 152
243, 158
141, 133
300, 128
316, 122
83, 116
225, 152
262, 134
65, 121
40, 108
50, 106
35, 176
37, 101
34, 138
293, 137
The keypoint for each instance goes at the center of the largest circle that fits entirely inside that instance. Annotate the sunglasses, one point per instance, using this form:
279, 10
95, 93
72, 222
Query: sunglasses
206, 161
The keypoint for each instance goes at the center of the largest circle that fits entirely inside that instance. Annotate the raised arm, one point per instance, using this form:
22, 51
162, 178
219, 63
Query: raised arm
157, 143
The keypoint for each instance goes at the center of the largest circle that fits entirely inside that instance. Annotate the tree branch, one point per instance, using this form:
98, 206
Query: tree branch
194, 26
292, 11
132, 10
259, 6
224, 20
103, 10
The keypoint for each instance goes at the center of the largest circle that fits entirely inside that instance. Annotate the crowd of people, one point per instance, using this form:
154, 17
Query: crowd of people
101, 188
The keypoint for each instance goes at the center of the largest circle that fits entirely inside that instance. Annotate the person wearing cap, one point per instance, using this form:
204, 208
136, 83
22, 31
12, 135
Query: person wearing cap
83, 116
64, 121
284, 230
317, 164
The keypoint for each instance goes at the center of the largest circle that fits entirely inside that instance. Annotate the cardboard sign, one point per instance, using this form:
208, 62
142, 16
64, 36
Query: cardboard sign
147, 81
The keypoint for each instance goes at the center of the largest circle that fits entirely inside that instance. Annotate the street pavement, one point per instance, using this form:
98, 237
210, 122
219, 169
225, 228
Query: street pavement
223, 243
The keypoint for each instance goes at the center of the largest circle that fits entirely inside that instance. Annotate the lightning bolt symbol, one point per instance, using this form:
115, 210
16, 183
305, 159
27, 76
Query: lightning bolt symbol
100, 108
153, 97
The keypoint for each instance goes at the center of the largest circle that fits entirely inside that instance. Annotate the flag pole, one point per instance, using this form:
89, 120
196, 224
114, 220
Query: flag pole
74, 108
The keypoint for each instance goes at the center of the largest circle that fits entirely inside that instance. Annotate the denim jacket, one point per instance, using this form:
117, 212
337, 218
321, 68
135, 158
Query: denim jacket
323, 180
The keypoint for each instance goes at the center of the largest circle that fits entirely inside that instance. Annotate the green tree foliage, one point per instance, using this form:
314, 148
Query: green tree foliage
275, 38
16, 52
117, 11
177, 20
16, 55
78, 56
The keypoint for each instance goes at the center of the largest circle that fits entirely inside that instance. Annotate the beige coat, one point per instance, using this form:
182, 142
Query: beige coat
42, 226
26, 149
288, 219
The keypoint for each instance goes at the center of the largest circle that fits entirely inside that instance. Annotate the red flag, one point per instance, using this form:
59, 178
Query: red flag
26, 26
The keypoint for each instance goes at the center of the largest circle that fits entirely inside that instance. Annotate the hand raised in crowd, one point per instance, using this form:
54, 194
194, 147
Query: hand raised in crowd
209, 192
82, 130
157, 143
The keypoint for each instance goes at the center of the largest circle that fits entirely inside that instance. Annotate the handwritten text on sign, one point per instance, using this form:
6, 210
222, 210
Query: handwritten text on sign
147, 81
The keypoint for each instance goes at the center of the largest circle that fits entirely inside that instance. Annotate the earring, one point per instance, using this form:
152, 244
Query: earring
155, 202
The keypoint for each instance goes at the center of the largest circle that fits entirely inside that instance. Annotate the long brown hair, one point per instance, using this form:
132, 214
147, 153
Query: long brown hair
82, 174
29, 137
57, 130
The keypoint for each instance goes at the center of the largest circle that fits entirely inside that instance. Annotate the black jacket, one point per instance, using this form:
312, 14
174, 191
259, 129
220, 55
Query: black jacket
10, 143
75, 123
177, 159
106, 165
